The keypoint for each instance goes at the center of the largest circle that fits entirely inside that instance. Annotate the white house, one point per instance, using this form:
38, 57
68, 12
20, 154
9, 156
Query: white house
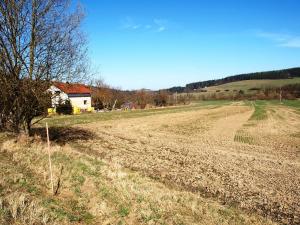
78, 94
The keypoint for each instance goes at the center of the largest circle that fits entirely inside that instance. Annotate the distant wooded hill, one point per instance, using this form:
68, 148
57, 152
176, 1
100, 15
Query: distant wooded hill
267, 75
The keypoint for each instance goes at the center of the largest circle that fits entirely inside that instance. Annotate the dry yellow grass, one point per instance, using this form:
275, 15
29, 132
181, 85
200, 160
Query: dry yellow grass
199, 151
195, 167
97, 192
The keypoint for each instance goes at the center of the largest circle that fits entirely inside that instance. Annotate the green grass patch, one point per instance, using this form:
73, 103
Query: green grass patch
84, 168
243, 139
110, 194
260, 112
260, 107
4, 214
292, 103
105, 192
60, 158
67, 120
73, 212
78, 179
295, 104
123, 211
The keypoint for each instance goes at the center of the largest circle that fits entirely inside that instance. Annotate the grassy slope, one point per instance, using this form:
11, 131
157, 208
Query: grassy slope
233, 87
245, 85
95, 192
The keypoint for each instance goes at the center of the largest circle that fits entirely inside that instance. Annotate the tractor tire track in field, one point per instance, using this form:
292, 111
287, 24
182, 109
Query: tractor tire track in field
197, 151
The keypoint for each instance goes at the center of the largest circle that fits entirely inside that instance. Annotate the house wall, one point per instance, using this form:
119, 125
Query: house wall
79, 102
75, 101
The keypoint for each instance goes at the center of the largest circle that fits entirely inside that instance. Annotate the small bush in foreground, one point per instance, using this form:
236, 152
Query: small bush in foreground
64, 108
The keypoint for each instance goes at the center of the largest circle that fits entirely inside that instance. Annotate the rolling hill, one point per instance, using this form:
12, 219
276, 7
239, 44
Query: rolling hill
248, 85
250, 80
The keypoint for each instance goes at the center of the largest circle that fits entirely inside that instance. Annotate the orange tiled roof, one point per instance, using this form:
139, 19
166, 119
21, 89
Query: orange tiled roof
73, 88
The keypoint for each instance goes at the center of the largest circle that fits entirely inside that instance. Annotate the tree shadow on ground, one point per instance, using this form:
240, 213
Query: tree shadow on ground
63, 135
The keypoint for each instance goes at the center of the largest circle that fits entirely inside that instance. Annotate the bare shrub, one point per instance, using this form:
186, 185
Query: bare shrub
64, 107
40, 41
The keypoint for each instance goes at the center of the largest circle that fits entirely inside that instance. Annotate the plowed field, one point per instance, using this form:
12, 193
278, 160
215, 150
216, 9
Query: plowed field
218, 152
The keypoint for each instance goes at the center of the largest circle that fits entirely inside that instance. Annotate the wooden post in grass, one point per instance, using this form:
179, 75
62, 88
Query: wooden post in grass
114, 104
49, 157
280, 95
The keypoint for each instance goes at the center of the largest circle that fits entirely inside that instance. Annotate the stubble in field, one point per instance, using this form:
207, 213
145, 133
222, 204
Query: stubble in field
217, 152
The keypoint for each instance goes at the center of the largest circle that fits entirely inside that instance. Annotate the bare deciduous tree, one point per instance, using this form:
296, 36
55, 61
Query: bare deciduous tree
40, 41
102, 95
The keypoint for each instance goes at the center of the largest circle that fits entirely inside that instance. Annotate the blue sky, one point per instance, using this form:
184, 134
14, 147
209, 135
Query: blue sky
163, 43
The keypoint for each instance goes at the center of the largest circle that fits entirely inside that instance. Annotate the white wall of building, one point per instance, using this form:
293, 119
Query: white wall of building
80, 102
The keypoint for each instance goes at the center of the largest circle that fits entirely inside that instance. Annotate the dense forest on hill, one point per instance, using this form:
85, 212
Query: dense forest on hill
271, 75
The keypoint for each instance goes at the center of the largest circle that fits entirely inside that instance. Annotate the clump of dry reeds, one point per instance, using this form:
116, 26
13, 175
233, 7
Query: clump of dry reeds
19, 208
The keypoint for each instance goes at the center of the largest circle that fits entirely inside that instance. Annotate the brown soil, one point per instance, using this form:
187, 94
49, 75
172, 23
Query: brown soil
217, 153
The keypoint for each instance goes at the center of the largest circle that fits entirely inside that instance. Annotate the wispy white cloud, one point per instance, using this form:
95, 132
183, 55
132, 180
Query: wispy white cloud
292, 43
128, 23
161, 25
281, 39
156, 25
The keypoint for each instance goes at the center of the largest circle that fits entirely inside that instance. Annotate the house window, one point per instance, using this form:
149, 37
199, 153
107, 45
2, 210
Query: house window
84, 102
